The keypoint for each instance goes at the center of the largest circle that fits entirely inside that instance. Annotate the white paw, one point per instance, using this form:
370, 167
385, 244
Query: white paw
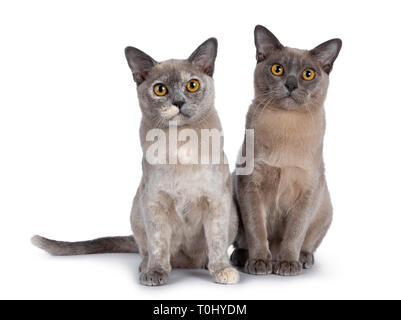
226, 276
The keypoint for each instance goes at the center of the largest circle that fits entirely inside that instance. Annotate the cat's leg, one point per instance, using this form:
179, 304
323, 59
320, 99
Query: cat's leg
138, 229
158, 235
296, 227
254, 220
144, 264
216, 227
316, 232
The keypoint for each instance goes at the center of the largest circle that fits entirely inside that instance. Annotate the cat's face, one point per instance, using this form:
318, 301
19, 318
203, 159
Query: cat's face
292, 79
175, 90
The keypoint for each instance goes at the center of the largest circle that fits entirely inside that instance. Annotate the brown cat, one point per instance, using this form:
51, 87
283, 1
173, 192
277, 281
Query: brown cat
285, 203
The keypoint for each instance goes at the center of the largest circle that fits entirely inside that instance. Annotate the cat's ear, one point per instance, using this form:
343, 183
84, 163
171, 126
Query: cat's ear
265, 43
140, 63
205, 56
327, 53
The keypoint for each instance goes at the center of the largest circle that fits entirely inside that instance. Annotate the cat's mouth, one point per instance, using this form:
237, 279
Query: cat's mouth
291, 102
173, 113
169, 112
292, 98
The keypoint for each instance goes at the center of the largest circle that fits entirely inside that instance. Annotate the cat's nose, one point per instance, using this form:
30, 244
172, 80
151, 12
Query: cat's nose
178, 103
291, 84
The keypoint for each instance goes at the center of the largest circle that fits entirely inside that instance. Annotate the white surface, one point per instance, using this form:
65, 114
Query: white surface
70, 154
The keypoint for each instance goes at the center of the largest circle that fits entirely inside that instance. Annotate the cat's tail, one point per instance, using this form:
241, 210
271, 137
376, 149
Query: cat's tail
101, 245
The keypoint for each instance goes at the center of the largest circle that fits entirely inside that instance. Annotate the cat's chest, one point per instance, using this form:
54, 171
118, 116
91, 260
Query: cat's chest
186, 154
192, 192
281, 155
188, 183
193, 185
172, 153
281, 187
287, 140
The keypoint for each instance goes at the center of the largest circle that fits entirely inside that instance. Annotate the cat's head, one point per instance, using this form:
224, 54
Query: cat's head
291, 79
175, 90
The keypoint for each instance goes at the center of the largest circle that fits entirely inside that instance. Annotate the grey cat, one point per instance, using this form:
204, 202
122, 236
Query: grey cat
183, 215
285, 203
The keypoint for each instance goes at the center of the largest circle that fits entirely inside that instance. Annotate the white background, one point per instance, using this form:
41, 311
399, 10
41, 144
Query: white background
71, 161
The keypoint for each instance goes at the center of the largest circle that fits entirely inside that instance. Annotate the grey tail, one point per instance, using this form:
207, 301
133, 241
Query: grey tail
101, 245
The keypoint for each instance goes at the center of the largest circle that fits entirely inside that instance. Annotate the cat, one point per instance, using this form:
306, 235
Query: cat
284, 204
183, 214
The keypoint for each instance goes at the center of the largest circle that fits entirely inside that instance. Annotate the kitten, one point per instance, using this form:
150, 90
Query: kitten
183, 214
285, 204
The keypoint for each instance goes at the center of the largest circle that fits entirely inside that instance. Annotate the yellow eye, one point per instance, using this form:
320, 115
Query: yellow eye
277, 69
160, 89
193, 86
309, 74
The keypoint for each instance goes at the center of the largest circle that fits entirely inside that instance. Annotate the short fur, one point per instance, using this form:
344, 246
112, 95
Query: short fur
183, 215
285, 204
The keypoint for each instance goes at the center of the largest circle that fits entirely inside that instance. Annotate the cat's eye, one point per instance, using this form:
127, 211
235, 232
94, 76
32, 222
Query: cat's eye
193, 86
160, 89
277, 69
309, 74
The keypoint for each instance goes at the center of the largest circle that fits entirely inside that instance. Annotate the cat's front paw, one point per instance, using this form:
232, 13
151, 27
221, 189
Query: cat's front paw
307, 260
226, 276
288, 268
153, 278
258, 267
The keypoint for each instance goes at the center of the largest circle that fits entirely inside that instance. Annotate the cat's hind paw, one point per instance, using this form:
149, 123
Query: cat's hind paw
307, 260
